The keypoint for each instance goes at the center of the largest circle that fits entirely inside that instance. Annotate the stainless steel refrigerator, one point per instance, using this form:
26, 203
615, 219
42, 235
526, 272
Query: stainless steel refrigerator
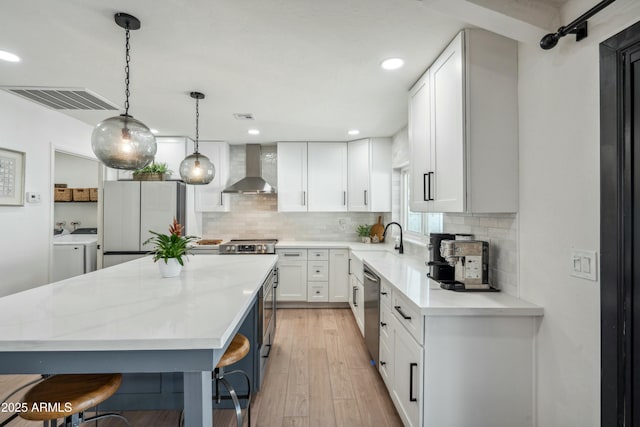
131, 209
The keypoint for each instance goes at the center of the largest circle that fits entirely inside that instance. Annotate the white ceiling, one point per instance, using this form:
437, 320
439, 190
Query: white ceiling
307, 69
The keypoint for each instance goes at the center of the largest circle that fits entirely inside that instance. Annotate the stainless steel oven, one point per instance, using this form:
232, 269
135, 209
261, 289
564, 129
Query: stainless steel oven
267, 313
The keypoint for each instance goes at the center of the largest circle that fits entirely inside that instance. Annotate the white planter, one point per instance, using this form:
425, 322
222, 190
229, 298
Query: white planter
169, 269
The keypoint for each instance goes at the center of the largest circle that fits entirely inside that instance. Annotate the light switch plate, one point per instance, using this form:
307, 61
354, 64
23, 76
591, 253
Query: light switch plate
33, 197
583, 264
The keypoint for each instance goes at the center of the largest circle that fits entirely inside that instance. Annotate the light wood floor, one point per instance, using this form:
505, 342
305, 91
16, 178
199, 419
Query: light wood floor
318, 376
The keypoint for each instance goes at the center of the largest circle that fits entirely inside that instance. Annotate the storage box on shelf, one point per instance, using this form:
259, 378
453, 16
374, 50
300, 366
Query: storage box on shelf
81, 195
62, 194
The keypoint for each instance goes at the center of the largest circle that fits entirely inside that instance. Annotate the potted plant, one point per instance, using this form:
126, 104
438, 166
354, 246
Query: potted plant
170, 248
364, 231
152, 172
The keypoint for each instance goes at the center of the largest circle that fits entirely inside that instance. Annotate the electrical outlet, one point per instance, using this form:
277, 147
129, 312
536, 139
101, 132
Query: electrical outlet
583, 264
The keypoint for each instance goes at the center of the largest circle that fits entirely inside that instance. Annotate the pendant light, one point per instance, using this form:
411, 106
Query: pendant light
197, 169
123, 142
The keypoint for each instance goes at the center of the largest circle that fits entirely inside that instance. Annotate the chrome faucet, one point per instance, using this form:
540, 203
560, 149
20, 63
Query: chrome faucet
400, 247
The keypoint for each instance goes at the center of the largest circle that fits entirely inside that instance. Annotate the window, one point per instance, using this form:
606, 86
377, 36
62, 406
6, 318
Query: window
417, 225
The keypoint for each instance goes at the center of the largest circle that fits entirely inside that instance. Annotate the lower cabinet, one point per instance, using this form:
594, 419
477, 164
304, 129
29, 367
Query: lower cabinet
292, 275
407, 380
313, 275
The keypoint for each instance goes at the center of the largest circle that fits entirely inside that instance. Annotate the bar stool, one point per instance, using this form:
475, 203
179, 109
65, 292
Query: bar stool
236, 351
68, 396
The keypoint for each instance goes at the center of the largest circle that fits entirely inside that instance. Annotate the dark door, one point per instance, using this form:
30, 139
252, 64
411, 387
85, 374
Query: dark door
620, 227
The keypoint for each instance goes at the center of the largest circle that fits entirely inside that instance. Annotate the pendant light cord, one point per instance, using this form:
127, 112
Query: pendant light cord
197, 123
126, 72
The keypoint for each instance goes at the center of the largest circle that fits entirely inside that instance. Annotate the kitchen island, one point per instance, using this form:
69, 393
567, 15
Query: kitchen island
127, 318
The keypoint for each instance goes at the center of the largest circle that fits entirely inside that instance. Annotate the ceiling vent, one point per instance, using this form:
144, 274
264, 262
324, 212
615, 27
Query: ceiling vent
244, 116
63, 98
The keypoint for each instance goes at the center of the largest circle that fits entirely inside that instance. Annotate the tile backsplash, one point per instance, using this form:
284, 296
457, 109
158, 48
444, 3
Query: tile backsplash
257, 216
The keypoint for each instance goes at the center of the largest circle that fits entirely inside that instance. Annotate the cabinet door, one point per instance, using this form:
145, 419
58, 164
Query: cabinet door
292, 284
68, 261
121, 210
158, 207
420, 144
292, 177
360, 306
408, 383
327, 176
209, 198
448, 129
338, 275
359, 192
352, 294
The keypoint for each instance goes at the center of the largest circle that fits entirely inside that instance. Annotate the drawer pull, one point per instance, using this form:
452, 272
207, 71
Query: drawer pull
382, 363
355, 296
383, 324
317, 271
411, 366
399, 310
317, 292
383, 293
291, 254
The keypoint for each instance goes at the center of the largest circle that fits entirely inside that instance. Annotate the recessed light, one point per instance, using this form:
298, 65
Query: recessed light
354, 132
154, 131
254, 132
392, 63
8, 56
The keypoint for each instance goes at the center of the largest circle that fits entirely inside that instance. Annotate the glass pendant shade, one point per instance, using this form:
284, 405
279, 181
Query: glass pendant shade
123, 142
197, 169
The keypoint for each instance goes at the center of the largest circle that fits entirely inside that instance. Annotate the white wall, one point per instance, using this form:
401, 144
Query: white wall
26, 230
559, 208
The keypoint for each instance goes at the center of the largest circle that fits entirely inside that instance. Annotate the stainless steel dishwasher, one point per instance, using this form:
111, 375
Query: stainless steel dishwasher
372, 313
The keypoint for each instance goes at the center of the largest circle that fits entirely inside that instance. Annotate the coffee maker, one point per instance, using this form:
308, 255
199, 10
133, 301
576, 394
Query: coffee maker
439, 268
470, 259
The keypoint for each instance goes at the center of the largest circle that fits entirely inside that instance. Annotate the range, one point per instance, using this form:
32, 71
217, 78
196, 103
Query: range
249, 246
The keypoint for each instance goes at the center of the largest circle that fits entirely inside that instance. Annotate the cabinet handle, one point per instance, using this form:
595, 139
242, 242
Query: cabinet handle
349, 266
429, 197
304, 198
382, 363
425, 186
383, 293
221, 204
399, 310
317, 271
291, 254
344, 198
383, 324
355, 298
365, 198
411, 366
317, 292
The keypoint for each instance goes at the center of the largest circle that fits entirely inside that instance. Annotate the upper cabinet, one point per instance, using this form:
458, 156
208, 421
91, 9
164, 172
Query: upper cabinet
292, 177
463, 115
312, 176
327, 176
369, 169
209, 198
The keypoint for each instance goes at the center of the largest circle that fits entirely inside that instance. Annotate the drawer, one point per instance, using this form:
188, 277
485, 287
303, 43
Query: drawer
408, 315
318, 271
386, 292
319, 254
293, 254
318, 292
386, 325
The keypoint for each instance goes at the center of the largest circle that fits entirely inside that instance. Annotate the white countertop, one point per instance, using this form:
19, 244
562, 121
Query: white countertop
131, 307
409, 276
355, 246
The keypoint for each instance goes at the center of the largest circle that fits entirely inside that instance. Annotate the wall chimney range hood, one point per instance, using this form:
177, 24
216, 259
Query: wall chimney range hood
253, 182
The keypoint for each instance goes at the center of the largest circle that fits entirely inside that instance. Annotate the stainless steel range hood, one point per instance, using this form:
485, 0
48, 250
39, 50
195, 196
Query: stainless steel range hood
253, 182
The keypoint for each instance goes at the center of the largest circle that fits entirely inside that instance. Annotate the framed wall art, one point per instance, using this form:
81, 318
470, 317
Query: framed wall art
12, 165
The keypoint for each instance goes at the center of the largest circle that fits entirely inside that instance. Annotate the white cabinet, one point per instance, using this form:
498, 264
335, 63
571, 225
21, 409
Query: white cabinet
327, 176
312, 176
464, 155
292, 177
209, 198
369, 170
338, 275
292, 274
407, 381
68, 261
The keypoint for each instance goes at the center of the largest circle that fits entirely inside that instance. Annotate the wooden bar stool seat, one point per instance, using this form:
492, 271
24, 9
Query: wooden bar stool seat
68, 396
237, 350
